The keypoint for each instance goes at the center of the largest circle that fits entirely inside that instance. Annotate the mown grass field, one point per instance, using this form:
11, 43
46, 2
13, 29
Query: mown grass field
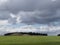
29, 40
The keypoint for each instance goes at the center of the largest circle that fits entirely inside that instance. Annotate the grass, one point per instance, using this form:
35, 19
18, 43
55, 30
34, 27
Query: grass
29, 40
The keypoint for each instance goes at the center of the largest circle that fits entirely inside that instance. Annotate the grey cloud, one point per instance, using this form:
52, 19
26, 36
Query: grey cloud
4, 15
41, 17
30, 5
12, 20
49, 11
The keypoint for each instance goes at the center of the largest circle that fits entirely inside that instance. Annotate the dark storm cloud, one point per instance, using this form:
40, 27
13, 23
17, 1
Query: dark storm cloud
33, 11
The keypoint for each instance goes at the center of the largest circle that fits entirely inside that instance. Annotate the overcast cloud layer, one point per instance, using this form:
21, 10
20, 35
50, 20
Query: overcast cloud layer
30, 11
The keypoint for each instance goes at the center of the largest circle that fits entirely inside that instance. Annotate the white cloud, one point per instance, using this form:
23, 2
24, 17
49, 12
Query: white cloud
12, 15
18, 19
3, 22
26, 28
54, 30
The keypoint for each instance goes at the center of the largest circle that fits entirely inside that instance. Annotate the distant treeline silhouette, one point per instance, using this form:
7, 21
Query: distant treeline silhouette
58, 35
25, 33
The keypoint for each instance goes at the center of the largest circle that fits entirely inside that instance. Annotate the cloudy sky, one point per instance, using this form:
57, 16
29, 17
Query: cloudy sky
29, 15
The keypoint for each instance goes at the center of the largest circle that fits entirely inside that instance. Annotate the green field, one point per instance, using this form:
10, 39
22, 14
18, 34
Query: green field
29, 40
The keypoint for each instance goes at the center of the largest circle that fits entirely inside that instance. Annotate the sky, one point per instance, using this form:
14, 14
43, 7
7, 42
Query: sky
30, 16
